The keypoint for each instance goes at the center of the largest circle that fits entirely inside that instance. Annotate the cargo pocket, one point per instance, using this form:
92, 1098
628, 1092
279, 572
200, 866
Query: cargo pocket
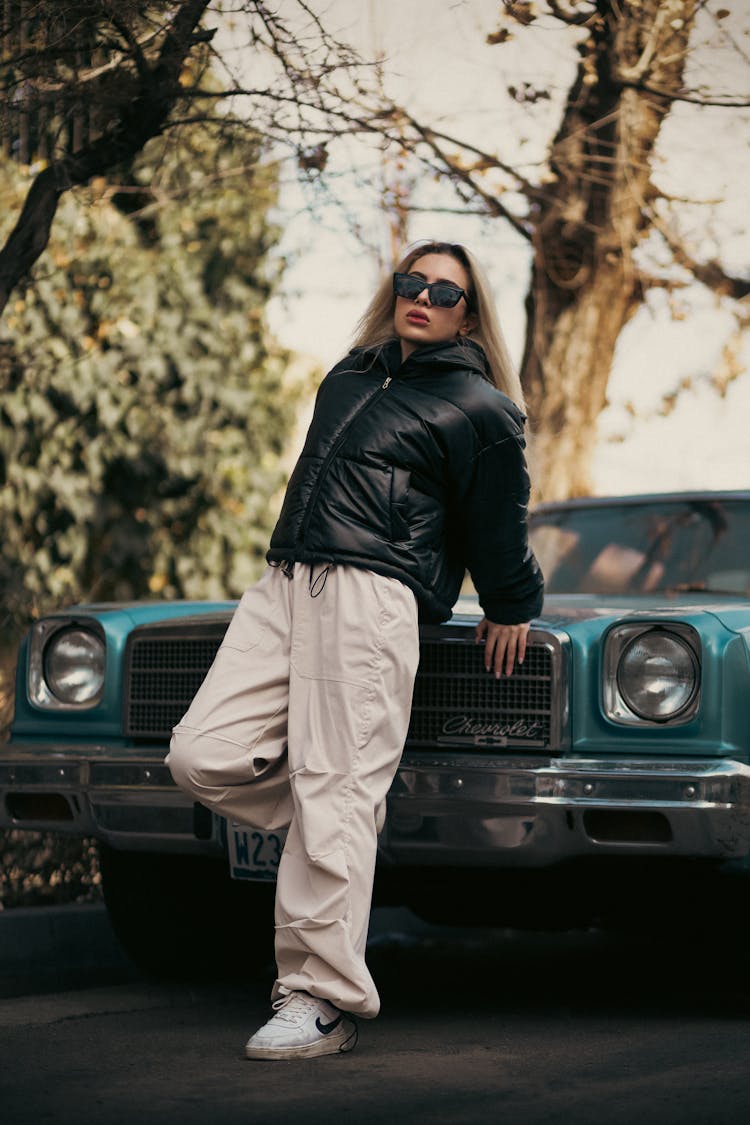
251, 619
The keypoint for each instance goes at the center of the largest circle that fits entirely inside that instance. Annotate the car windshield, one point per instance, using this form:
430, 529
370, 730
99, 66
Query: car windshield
649, 547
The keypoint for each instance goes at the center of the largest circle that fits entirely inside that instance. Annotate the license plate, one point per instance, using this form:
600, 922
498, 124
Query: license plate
253, 853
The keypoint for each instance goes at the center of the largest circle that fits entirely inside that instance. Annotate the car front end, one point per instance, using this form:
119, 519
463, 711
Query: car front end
618, 734
622, 743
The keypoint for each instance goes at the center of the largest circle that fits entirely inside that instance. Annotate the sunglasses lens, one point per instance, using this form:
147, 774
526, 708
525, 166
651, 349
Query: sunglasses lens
405, 286
445, 296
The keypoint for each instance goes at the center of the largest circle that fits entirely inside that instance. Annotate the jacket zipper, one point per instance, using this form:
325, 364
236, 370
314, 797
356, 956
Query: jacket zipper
332, 453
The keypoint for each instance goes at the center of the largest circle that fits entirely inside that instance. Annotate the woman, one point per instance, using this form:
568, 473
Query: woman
412, 471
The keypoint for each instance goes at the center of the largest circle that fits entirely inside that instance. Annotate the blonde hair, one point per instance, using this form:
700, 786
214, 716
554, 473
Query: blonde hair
376, 324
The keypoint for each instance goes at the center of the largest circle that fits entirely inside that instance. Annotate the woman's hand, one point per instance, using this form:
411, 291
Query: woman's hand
503, 645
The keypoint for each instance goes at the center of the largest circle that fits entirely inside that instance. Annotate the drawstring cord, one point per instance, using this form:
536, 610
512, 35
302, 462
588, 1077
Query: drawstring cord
317, 582
286, 567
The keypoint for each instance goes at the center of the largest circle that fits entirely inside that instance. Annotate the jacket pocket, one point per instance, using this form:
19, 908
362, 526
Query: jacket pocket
352, 508
400, 483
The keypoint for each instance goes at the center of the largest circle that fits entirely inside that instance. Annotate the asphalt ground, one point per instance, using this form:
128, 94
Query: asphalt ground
477, 1026
46, 949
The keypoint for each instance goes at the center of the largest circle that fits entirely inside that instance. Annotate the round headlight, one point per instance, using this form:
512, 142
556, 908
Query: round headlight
74, 665
657, 675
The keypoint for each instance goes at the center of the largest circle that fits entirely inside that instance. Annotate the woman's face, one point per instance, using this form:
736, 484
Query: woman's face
417, 321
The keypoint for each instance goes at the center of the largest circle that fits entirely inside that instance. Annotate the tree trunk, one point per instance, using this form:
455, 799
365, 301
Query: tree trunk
576, 343
584, 285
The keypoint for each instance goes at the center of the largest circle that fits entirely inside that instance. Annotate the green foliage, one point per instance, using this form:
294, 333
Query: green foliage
144, 407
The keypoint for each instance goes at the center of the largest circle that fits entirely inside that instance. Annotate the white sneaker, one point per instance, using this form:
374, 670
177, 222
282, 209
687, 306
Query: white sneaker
302, 1027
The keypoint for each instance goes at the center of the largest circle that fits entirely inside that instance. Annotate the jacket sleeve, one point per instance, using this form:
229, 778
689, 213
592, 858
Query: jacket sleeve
494, 510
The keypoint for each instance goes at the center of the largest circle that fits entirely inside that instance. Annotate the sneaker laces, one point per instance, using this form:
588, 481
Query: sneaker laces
294, 1008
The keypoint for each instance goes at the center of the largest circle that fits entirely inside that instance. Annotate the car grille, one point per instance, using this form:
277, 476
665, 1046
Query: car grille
163, 674
456, 702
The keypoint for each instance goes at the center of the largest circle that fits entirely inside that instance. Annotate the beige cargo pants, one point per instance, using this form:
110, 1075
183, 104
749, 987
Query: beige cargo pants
300, 722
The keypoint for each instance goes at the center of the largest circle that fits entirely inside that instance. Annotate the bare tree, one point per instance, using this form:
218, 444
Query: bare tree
134, 89
585, 214
86, 83
589, 209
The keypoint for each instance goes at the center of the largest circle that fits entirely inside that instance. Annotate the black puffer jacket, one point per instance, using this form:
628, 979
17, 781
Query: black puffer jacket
416, 470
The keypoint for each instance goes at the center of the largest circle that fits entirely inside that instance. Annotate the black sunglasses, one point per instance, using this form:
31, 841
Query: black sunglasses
441, 293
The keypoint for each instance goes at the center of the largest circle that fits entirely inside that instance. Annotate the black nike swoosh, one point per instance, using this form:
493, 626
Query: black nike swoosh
327, 1028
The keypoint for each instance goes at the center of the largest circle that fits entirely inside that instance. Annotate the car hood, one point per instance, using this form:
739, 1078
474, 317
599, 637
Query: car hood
562, 610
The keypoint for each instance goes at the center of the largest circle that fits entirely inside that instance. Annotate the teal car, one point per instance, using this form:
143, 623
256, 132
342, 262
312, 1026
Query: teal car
606, 782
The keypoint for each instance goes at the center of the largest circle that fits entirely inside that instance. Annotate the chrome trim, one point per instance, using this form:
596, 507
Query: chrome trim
616, 640
558, 645
503, 812
129, 801
39, 692
447, 809
493, 726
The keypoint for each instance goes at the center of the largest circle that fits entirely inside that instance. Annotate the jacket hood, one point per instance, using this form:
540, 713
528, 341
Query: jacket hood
465, 355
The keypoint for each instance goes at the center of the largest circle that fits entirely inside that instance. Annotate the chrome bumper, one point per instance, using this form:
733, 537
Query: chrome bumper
443, 809
472, 810
127, 798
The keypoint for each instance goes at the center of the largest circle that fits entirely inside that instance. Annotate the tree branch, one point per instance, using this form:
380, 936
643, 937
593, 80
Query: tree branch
155, 93
531, 191
635, 72
579, 19
494, 206
88, 74
134, 45
685, 95
711, 274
